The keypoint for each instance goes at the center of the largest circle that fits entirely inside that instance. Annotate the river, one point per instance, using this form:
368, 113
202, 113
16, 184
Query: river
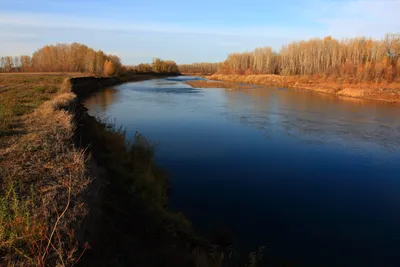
314, 178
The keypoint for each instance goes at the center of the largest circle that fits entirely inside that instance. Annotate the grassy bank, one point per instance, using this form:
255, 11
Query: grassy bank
42, 174
383, 91
66, 179
75, 191
136, 226
48, 179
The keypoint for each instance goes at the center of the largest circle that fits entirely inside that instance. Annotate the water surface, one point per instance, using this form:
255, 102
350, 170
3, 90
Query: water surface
312, 177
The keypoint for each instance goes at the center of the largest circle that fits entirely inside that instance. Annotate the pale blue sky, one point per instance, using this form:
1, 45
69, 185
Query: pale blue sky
187, 31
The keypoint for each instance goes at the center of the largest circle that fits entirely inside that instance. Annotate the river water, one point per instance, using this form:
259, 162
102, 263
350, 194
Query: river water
314, 178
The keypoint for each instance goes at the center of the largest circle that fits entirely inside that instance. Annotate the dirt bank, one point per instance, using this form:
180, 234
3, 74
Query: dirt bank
83, 86
388, 92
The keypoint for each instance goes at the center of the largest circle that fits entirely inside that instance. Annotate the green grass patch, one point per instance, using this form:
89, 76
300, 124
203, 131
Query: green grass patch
39, 89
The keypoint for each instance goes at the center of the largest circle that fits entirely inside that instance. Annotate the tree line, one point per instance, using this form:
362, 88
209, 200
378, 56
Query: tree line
204, 68
79, 58
158, 66
359, 58
63, 58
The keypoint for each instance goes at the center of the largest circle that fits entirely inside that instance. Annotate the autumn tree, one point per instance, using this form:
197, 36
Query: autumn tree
143, 67
116, 62
156, 65
108, 68
73, 57
359, 58
7, 64
26, 63
204, 68
169, 66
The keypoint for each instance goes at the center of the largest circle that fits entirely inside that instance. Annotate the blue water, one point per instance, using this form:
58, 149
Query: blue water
314, 178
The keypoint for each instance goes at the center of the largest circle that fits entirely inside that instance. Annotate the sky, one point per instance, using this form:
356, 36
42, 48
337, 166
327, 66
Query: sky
187, 31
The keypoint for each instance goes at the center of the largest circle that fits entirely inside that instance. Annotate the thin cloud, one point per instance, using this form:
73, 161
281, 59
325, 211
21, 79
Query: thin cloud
73, 22
339, 18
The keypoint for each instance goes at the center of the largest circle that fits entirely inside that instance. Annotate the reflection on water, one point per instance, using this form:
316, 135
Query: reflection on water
313, 177
100, 102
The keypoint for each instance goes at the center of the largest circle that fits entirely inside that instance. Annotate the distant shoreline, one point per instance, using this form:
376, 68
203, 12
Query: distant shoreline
387, 92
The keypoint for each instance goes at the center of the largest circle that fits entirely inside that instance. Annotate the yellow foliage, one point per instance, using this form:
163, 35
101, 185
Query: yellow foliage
108, 68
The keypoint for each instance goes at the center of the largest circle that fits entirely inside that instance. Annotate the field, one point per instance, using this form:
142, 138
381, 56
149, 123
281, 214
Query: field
22, 93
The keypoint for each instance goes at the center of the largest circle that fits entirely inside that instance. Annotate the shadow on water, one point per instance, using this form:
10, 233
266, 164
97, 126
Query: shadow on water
100, 102
313, 177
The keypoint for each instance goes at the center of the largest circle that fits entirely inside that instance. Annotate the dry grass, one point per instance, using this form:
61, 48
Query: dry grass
389, 92
22, 93
42, 175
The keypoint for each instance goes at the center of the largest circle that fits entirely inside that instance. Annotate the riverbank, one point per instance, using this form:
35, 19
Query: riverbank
84, 86
43, 175
134, 225
383, 91
75, 191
